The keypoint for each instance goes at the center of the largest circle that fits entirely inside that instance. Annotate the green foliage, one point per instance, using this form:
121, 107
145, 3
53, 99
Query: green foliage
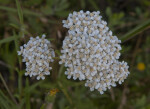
8, 39
93, 4
5, 102
114, 18
21, 19
136, 30
56, 7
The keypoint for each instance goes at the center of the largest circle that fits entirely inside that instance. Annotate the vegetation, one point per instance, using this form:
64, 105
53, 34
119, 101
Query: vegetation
128, 19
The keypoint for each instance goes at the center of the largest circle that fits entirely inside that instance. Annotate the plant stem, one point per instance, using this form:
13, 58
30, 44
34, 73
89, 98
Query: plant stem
60, 70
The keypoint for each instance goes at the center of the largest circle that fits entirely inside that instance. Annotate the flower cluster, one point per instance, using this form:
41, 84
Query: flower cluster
37, 54
117, 72
90, 52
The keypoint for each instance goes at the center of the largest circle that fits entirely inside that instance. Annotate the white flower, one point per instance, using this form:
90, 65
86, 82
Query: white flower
90, 50
37, 54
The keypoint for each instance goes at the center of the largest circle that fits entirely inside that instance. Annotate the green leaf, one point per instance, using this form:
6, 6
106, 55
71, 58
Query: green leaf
140, 102
108, 11
140, 28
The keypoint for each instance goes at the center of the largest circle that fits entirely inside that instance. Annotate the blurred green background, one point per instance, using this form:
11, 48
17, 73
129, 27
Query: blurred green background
19, 20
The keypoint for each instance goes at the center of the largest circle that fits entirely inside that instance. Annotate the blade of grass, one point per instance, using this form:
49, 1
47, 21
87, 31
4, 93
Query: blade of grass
25, 11
20, 14
4, 101
3, 81
11, 38
140, 28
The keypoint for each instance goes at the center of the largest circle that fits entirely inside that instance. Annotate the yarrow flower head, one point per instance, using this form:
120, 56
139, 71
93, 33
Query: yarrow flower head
37, 54
91, 52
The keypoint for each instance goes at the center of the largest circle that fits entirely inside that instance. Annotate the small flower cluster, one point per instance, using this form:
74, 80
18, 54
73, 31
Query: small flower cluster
117, 72
37, 54
90, 52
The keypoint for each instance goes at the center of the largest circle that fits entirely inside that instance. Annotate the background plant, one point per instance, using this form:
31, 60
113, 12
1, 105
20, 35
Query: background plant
129, 20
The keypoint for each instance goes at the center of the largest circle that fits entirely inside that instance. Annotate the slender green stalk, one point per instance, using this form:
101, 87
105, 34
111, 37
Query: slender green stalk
27, 95
65, 92
60, 70
17, 47
140, 28
9, 92
61, 86
21, 34
20, 14
19, 85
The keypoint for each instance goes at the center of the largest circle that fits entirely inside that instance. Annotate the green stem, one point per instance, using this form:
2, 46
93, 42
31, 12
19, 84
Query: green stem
20, 14
27, 95
60, 70
19, 85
